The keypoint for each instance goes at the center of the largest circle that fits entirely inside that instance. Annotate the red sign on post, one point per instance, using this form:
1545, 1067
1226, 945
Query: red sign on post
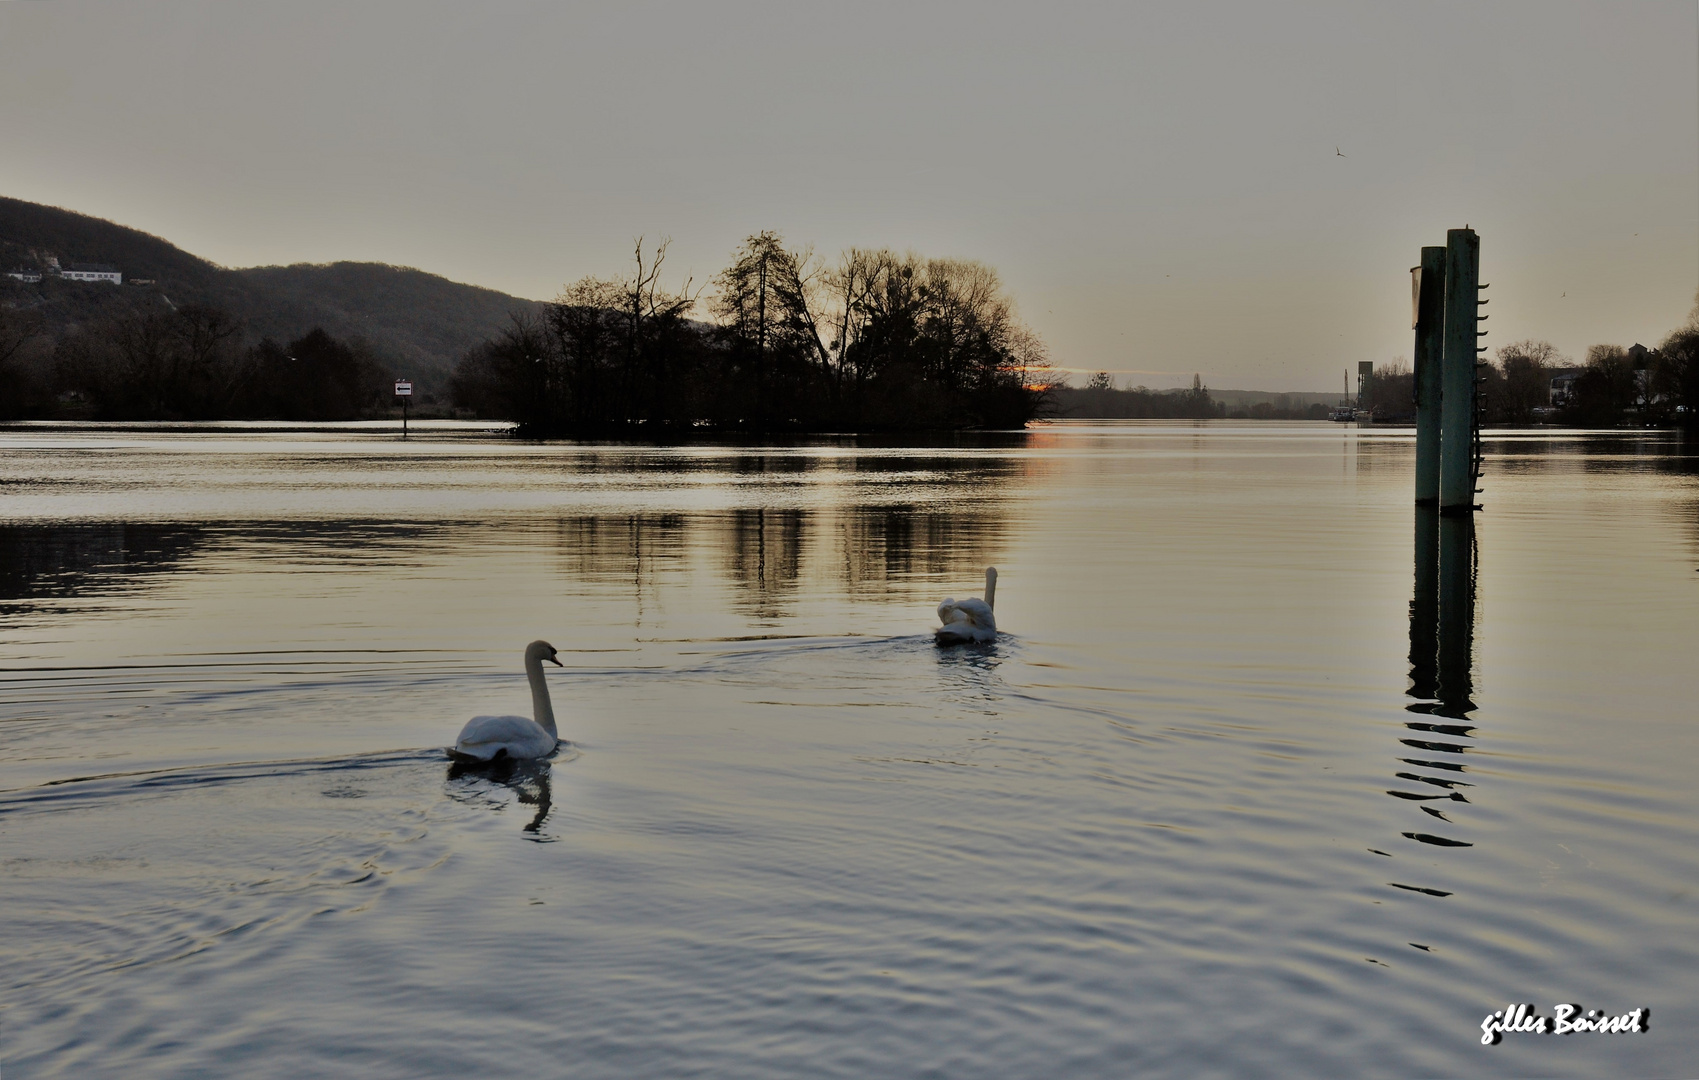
403, 388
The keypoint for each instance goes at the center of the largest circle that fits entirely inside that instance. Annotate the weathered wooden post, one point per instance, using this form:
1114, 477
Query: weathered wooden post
1428, 300
1457, 398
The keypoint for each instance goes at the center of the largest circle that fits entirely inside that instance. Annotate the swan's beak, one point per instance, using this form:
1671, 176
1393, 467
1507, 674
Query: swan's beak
556, 661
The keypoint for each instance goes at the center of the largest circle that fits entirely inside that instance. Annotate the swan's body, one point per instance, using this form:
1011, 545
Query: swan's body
970, 619
486, 738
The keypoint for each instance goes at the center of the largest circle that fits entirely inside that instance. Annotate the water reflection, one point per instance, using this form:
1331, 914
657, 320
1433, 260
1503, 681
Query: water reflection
882, 544
48, 565
1442, 640
764, 554
472, 782
1592, 452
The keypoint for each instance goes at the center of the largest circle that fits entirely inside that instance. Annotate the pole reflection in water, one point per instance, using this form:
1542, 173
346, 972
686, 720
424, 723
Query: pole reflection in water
1442, 640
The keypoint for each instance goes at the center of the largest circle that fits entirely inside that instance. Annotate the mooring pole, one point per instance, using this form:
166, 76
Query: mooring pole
1457, 397
1429, 318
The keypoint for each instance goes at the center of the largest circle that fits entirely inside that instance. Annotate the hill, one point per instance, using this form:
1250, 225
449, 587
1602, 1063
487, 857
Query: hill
423, 323
420, 323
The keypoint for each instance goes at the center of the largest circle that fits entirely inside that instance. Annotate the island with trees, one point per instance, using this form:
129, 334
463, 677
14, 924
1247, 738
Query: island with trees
870, 341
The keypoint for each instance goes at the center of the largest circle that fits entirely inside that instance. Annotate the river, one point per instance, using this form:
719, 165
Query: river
1266, 775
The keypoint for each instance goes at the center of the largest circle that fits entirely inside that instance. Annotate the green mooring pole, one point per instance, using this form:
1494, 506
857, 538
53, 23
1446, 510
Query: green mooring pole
1429, 299
1457, 398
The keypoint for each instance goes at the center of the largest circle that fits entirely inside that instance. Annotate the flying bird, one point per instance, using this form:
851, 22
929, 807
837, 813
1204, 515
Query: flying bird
1336, 151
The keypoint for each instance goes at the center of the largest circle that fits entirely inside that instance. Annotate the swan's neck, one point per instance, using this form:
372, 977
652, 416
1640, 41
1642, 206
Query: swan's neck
991, 589
541, 710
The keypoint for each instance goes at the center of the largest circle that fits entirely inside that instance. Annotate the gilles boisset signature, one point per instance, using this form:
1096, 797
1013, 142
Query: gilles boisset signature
1523, 1018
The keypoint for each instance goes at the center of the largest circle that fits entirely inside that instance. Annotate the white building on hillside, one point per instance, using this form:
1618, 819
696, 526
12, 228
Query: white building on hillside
92, 272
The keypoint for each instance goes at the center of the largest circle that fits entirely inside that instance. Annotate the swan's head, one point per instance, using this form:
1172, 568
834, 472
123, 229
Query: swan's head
540, 651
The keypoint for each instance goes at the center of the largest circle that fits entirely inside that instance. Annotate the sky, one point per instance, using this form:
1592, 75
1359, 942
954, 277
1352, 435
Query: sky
1236, 189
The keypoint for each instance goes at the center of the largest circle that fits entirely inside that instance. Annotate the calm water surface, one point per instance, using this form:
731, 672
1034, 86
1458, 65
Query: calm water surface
1267, 775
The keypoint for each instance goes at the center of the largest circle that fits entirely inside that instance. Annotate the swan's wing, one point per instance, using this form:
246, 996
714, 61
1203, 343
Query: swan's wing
975, 611
485, 736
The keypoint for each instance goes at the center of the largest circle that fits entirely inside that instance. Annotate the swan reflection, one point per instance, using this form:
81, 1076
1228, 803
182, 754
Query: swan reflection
473, 783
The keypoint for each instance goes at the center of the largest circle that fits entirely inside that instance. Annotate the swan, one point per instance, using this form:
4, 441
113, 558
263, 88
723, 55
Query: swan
970, 619
488, 738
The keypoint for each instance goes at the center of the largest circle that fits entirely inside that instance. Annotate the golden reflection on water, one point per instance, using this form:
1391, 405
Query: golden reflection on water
1253, 722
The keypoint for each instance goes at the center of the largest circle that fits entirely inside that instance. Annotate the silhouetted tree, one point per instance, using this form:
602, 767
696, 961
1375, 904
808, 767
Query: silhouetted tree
17, 330
770, 334
314, 377
1605, 390
1391, 393
877, 341
1675, 375
1522, 381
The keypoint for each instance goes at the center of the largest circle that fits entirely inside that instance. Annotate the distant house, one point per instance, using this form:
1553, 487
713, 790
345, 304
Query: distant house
1563, 386
28, 277
92, 272
1641, 357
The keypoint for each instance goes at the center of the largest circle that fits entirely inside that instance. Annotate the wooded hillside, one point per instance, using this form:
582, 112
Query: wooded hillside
417, 323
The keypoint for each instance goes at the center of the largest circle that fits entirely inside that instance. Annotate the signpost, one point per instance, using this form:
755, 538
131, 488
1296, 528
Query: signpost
404, 391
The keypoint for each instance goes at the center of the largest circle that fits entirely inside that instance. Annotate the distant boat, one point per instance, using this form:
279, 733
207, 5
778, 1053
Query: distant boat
1347, 414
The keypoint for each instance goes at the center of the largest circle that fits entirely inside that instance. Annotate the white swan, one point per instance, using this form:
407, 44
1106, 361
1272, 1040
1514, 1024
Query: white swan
970, 619
487, 738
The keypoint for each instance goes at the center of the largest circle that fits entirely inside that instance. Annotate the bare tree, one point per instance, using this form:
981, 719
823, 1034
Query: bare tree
615, 340
1525, 367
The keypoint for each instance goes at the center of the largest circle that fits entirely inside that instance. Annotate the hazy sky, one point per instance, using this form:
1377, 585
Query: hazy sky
1158, 184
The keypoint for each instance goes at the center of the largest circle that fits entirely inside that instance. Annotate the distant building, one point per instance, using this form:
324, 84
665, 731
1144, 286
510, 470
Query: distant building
92, 272
1563, 386
28, 277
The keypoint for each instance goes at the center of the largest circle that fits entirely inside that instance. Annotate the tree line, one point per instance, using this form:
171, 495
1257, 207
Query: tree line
190, 362
1613, 386
872, 340
1100, 398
